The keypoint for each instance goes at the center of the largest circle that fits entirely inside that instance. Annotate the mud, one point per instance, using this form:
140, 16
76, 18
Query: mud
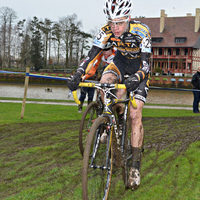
174, 133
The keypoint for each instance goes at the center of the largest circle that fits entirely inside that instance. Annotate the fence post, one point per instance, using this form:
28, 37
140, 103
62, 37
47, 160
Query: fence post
25, 91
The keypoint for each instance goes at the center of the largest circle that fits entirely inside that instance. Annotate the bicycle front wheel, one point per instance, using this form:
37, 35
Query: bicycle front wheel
90, 114
97, 163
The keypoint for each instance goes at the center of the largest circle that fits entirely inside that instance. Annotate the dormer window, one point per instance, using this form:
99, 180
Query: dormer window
157, 39
180, 39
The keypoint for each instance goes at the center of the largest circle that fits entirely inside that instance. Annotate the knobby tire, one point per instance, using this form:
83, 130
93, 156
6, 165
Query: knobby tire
89, 115
96, 180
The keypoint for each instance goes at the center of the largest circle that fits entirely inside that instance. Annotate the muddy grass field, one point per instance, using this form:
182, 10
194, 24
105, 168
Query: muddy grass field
42, 161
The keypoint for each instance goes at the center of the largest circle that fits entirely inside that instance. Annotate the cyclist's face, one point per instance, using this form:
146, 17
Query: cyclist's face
107, 53
119, 25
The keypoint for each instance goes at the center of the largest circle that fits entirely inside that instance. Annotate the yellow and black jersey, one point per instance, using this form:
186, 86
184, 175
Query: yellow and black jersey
135, 40
135, 43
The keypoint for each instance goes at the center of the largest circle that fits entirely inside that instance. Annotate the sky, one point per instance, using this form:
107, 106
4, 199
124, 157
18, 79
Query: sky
90, 12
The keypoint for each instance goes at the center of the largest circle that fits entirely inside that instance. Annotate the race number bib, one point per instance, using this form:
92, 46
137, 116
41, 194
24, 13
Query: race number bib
146, 45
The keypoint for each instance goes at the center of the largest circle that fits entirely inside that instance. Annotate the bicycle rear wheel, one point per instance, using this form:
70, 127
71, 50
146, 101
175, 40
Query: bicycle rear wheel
97, 166
90, 114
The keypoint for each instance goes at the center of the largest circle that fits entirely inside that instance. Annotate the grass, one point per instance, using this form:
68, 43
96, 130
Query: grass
40, 157
29, 99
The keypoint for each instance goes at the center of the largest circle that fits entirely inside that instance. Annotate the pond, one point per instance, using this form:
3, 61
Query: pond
60, 92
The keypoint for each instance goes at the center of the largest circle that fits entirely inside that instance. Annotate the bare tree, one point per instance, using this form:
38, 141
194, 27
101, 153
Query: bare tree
25, 42
70, 27
7, 17
56, 33
73, 39
4, 21
12, 15
46, 28
64, 23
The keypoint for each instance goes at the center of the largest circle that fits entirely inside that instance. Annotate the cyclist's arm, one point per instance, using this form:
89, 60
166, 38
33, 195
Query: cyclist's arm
145, 46
94, 67
99, 44
87, 64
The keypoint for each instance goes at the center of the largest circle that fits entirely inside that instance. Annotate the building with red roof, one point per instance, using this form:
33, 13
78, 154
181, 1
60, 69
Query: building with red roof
175, 43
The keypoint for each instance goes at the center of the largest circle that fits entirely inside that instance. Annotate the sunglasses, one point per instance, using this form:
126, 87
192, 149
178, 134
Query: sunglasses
117, 23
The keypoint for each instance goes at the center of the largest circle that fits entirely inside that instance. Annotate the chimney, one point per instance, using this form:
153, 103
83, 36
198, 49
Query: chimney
162, 20
189, 14
197, 20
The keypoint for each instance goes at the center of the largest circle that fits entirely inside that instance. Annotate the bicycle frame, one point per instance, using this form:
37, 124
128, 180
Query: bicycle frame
94, 84
110, 99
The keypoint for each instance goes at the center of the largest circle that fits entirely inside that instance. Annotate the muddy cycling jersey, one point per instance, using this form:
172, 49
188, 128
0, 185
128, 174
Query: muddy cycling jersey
106, 61
134, 45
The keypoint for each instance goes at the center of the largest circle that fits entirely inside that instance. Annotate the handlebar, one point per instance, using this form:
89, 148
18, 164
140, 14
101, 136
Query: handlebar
93, 84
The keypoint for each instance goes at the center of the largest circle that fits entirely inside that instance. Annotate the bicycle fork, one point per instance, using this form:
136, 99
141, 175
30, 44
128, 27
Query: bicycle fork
108, 148
124, 128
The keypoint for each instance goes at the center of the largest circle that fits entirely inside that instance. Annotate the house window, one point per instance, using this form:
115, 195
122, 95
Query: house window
177, 52
160, 51
180, 39
157, 40
186, 52
169, 51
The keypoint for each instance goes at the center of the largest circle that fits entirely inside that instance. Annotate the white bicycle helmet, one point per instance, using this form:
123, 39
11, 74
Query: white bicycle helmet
108, 46
117, 8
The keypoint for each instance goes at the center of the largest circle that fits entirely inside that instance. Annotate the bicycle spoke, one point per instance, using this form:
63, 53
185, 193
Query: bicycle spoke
89, 116
99, 171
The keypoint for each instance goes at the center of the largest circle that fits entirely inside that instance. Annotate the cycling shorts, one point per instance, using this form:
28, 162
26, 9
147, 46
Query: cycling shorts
122, 66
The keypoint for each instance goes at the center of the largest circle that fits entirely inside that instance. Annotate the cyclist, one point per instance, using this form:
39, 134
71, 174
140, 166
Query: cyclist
106, 56
133, 42
89, 91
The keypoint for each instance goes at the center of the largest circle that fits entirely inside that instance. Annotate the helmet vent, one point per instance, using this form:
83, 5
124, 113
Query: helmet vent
126, 12
117, 8
121, 5
118, 13
113, 8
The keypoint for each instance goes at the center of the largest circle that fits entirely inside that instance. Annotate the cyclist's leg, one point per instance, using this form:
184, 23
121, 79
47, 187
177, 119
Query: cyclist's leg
112, 74
137, 134
136, 124
83, 94
90, 95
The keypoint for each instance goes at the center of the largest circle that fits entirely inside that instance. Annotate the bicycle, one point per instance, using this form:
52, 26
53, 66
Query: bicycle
93, 110
99, 158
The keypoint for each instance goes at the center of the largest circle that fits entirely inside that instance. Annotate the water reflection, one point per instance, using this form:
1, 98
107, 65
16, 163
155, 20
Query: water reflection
170, 97
61, 93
